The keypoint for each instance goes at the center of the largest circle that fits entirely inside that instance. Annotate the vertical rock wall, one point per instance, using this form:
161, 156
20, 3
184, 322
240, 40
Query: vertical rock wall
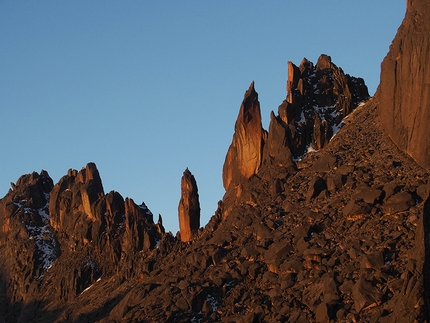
404, 91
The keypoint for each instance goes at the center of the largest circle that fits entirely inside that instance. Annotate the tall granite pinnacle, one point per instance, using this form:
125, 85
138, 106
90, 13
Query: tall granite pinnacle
189, 207
244, 155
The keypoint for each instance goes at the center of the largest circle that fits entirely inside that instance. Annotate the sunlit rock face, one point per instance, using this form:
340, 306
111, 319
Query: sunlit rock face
404, 91
318, 99
75, 192
245, 152
189, 207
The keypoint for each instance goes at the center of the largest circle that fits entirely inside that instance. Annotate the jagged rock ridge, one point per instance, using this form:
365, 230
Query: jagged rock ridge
61, 239
318, 100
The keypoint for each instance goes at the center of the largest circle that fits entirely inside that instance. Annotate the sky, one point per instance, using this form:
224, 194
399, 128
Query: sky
145, 89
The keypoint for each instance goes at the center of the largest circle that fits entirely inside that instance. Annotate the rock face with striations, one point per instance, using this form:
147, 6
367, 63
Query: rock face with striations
404, 91
189, 207
245, 153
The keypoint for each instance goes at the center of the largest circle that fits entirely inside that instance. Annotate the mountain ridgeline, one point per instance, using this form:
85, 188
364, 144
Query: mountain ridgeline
325, 217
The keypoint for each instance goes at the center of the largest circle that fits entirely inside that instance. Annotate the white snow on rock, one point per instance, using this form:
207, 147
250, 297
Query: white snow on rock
212, 301
145, 208
42, 236
309, 149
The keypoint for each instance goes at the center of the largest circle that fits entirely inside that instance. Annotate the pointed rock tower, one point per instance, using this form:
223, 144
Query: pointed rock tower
189, 207
245, 152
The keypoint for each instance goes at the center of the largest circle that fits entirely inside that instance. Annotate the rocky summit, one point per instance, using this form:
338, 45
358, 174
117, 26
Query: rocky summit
325, 217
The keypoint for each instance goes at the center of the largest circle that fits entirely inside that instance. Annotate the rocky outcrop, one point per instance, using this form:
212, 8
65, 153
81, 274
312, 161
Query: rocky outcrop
59, 240
404, 91
189, 207
27, 242
277, 146
308, 251
318, 99
82, 214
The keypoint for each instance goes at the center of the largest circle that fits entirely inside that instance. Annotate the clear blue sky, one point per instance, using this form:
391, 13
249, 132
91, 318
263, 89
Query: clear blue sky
147, 88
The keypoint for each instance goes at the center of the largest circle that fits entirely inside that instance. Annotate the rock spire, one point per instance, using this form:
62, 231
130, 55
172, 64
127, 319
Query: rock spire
189, 207
244, 154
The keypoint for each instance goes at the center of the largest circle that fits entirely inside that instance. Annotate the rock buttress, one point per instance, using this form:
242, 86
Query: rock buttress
404, 91
189, 207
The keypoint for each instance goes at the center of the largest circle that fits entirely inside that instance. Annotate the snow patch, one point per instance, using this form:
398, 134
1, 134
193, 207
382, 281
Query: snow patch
302, 117
336, 129
197, 320
309, 149
44, 216
212, 301
145, 208
41, 234
45, 244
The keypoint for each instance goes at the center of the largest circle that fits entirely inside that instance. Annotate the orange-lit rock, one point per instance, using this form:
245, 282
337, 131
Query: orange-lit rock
245, 152
404, 91
189, 207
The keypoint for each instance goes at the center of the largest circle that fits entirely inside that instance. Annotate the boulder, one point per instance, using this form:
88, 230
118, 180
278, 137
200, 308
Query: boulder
399, 202
365, 294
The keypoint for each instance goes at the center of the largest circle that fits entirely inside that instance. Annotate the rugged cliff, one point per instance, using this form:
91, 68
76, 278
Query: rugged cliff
404, 91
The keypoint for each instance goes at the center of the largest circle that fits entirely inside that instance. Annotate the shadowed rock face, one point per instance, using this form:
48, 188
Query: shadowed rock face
404, 91
70, 234
189, 207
